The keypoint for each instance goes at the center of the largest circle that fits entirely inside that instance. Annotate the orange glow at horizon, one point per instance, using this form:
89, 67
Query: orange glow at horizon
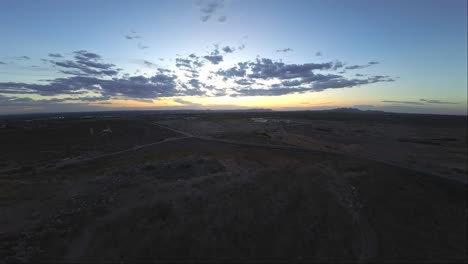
305, 100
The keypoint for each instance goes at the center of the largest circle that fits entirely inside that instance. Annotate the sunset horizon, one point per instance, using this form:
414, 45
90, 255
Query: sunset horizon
311, 55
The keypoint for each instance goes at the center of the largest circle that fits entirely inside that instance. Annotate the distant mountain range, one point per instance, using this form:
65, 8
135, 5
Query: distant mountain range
352, 110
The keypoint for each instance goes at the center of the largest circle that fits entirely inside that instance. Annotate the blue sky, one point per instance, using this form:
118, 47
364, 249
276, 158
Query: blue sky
405, 56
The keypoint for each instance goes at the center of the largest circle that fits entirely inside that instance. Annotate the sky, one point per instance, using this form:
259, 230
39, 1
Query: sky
397, 56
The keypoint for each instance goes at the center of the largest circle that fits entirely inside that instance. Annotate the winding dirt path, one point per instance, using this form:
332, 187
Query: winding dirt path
348, 196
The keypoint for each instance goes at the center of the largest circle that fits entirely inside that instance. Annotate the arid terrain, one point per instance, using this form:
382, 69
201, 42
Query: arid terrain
310, 186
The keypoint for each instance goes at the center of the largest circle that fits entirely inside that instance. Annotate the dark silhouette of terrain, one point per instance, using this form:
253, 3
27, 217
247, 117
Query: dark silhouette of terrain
235, 186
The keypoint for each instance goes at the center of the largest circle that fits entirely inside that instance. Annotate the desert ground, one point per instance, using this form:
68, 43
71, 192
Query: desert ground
253, 186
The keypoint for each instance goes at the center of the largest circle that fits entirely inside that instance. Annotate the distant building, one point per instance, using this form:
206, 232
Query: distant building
259, 119
105, 132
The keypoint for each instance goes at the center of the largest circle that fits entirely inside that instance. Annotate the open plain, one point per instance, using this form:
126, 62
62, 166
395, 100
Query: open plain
311, 186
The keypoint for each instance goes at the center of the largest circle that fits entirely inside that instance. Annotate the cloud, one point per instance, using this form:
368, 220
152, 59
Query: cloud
436, 101
1, 62
298, 87
403, 102
86, 63
228, 49
264, 68
55, 55
214, 57
284, 50
241, 47
195, 83
186, 103
85, 55
290, 78
141, 46
267, 92
420, 102
244, 81
210, 7
222, 19
191, 64
342, 82
90, 78
355, 67
158, 85
15, 105
20, 58
318, 53
149, 64
240, 70
132, 35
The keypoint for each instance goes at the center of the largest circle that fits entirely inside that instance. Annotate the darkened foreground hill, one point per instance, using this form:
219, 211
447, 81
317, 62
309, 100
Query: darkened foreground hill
325, 186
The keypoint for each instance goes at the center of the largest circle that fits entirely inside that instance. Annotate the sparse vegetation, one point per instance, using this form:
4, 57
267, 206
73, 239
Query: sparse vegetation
238, 190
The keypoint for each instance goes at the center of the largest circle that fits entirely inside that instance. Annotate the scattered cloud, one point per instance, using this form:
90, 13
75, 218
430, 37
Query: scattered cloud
55, 55
244, 81
240, 70
241, 47
355, 67
284, 50
195, 83
85, 63
190, 63
214, 57
1, 62
149, 64
208, 8
290, 78
318, 53
403, 102
20, 58
264, 68
141, 46
132, 35
420, 102
186, 103
158, 85
267, 92
228, 49
436, 101
90, 78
